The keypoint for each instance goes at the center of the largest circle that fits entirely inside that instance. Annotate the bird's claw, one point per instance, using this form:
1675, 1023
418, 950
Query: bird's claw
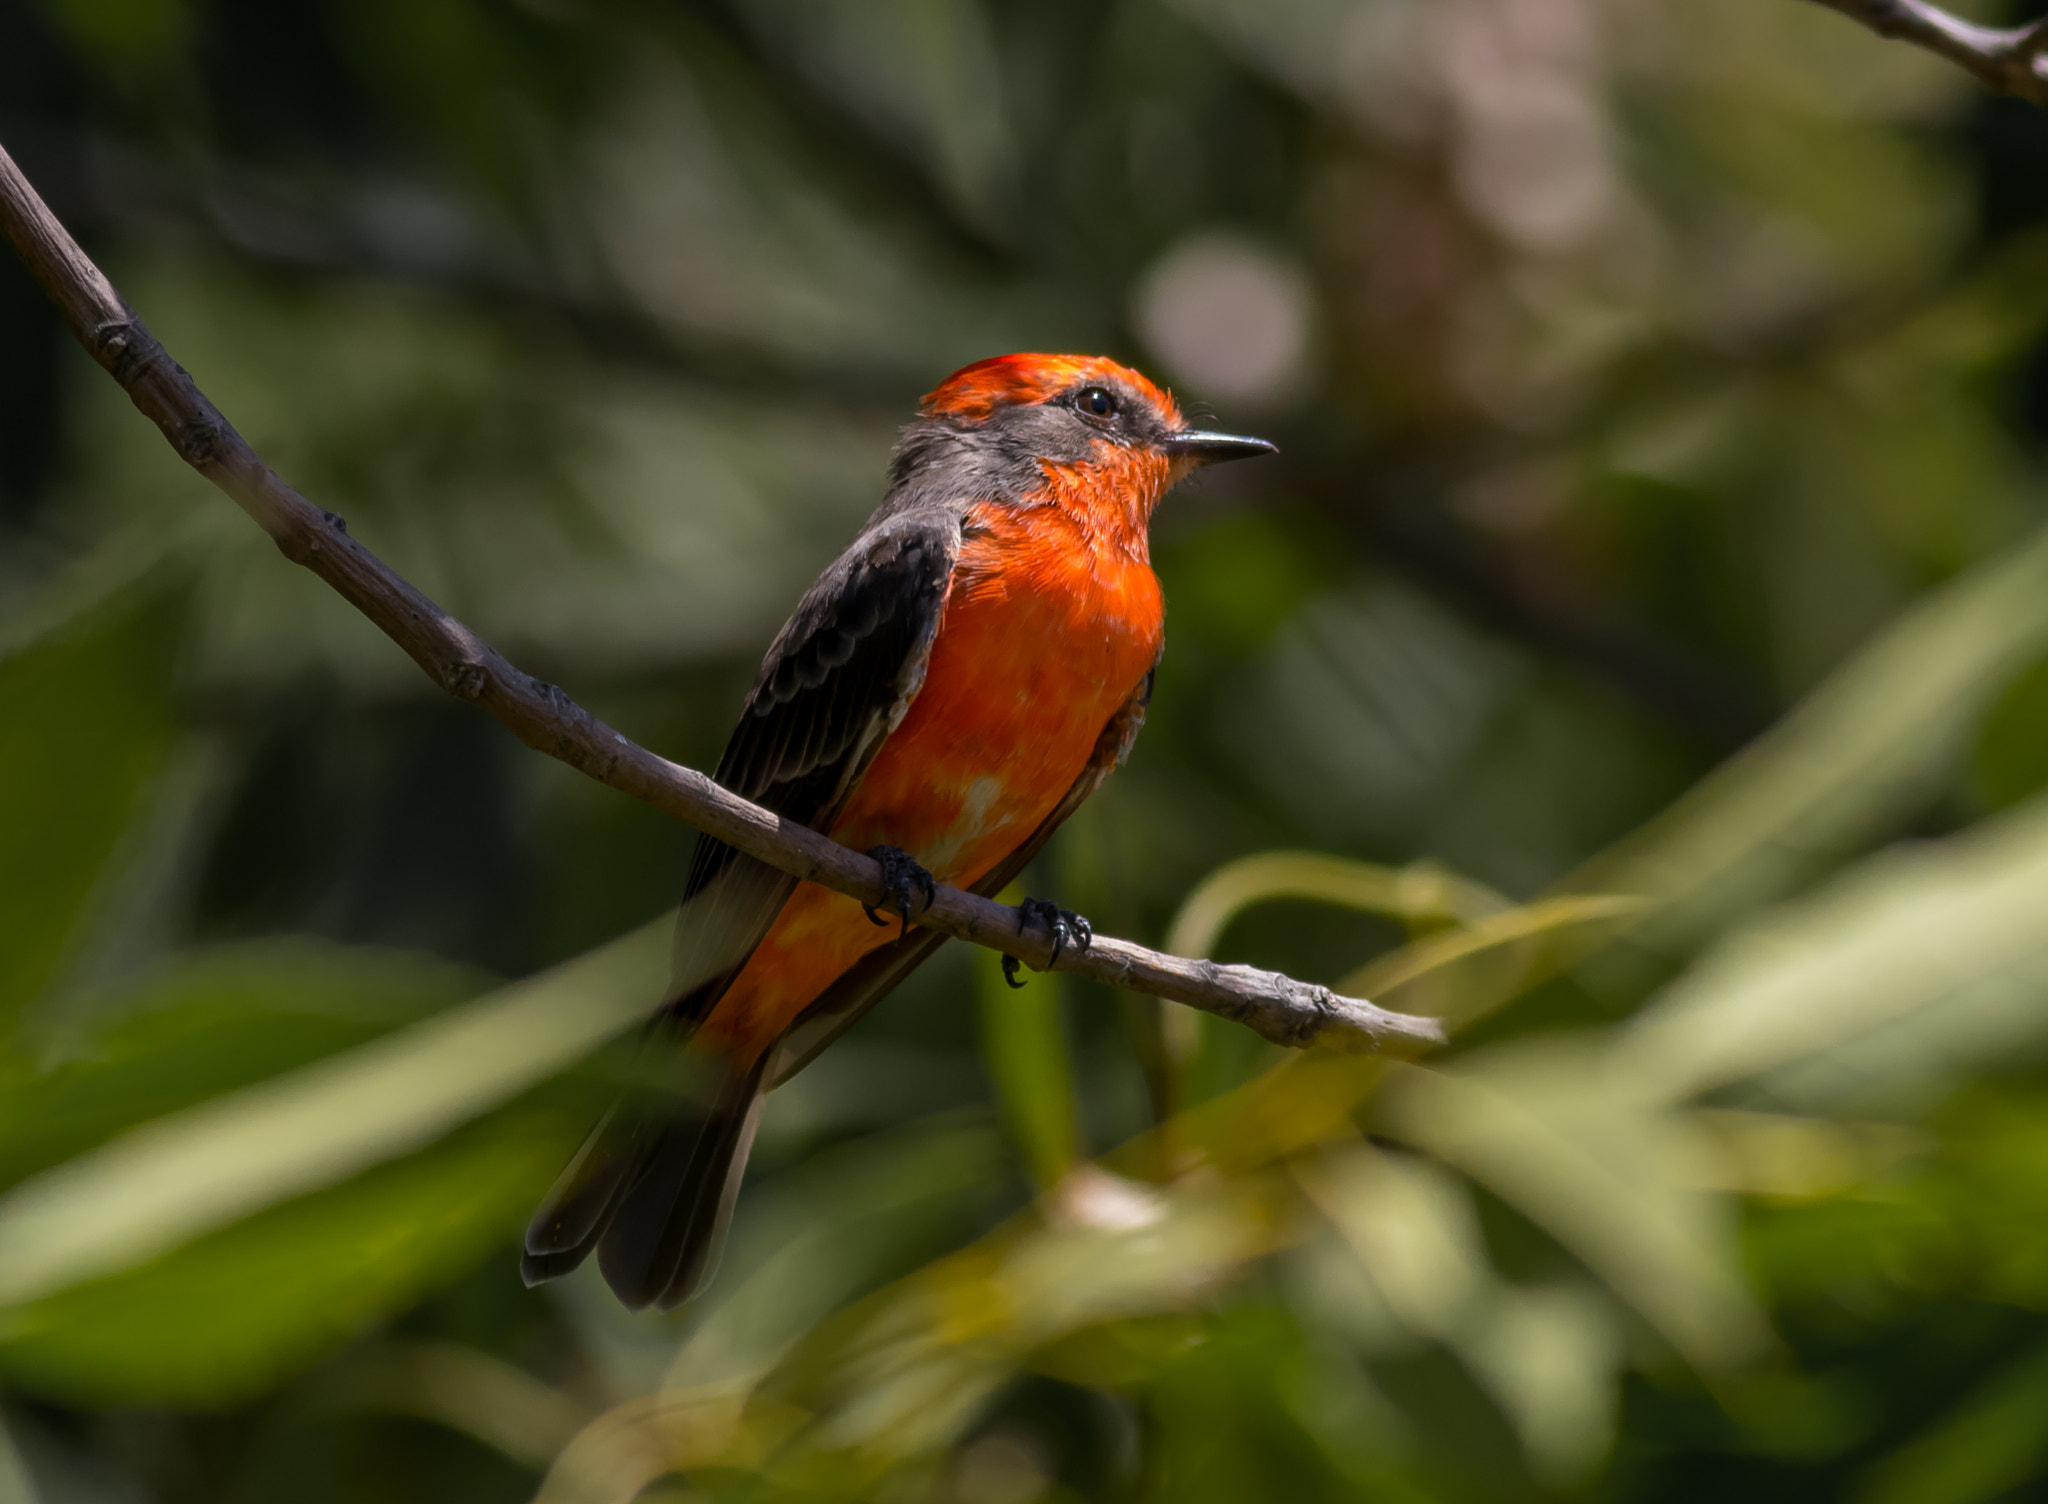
904, 879
1066, 927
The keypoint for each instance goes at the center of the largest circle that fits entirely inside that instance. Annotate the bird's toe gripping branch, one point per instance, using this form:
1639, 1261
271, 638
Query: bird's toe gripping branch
1065, 926
905, 880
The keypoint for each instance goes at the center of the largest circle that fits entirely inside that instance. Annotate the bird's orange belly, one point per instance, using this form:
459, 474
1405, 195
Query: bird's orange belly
1043, 638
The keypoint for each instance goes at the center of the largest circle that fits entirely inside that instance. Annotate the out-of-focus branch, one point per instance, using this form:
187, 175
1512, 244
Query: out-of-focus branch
246, 222
106, 184
2009, 59
541, 715
1395, 506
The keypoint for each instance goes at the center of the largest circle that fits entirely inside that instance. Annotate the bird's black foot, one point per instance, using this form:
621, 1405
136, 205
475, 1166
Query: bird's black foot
904, 880
1067, 928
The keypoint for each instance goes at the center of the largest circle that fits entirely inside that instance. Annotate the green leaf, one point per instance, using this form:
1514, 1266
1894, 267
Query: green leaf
1992, 1443
2010, 762
204, 1024
225, 1317
86, 728
177, 1178
1024, 1046
1869, 745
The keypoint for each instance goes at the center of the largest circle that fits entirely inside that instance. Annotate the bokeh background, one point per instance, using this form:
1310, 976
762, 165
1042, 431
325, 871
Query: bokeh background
1639, 655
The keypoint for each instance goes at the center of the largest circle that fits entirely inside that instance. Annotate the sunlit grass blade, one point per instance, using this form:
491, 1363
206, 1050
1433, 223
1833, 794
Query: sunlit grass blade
1552, 1128
904, 1371
1547, 1354
615, 1457
1496, 939
1918, 962
465, 1389
1420, 895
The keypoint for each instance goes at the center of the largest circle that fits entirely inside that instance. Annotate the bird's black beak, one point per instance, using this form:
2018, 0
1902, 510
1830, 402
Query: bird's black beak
1214, 448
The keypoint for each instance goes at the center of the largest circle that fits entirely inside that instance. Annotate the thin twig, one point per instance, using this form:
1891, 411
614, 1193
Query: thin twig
541, 715
2009, 59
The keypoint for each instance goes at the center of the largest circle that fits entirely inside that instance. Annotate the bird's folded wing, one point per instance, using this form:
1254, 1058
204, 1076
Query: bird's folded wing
836, 681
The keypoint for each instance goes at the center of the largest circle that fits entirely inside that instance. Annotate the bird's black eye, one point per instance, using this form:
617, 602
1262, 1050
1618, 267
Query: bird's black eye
1097, 402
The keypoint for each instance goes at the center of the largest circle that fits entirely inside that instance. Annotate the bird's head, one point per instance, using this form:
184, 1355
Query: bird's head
1023, 424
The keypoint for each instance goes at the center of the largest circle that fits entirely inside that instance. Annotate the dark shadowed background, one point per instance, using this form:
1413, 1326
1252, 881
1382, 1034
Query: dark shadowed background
1639, 654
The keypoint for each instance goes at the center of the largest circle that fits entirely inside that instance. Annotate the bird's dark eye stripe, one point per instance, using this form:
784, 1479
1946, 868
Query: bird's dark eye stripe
1096, 402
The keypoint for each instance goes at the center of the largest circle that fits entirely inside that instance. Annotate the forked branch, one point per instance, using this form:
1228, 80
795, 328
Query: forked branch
2009, 59
541, 715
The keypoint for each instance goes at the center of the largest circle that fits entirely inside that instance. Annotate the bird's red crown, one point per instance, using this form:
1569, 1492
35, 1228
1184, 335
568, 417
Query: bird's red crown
974, 392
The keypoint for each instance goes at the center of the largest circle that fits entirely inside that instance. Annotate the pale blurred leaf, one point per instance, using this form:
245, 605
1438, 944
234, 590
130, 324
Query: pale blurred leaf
1551, 1355
1798, 1158
614, 1458
1546, 1354
1413, 1228
16, 1486
1919, 963
467, 1390
813, 1239
1554, 1129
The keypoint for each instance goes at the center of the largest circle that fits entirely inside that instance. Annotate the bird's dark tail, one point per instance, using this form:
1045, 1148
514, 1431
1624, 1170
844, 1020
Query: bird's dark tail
652, 1197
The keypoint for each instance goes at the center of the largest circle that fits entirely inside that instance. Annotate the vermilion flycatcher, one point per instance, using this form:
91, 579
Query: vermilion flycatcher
947, 693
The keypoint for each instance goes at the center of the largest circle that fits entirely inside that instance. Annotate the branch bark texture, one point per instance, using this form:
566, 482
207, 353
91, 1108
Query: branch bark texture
2009, 59
541, 715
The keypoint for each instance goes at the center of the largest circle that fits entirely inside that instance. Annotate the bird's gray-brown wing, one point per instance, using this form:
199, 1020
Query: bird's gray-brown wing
864, 984
836, 681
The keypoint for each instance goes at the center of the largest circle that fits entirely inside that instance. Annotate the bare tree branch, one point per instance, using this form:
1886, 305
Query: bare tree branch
541, 715
2009, 59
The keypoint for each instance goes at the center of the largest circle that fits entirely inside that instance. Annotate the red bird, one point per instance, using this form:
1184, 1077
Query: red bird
947, 693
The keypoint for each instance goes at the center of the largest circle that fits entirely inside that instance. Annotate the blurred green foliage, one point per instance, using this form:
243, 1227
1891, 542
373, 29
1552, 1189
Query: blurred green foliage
1638, 656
